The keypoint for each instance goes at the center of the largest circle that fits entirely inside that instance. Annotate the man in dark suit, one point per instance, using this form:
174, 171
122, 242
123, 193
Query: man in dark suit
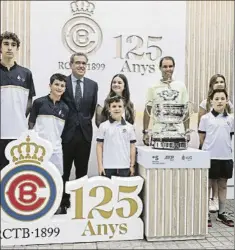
81, 97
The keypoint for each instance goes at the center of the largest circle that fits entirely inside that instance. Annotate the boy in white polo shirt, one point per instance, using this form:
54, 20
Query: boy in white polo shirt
215, 131
116, 143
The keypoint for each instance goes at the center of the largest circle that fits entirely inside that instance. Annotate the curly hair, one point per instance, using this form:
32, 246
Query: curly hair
9, 35
211, 90
129, 106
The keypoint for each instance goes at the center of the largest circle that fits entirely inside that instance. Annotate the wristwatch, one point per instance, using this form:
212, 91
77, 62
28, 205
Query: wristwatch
145, 131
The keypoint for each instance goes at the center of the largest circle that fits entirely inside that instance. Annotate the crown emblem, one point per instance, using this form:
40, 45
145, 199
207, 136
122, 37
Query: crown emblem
82, 7
27, 152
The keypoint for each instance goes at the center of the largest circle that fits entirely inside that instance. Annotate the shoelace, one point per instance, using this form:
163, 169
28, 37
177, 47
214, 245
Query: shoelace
231, 214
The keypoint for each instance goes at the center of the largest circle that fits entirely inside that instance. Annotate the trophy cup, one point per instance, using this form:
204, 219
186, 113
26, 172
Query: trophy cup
169, 116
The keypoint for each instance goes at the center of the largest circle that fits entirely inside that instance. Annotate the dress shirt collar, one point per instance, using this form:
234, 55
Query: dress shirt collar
74, 79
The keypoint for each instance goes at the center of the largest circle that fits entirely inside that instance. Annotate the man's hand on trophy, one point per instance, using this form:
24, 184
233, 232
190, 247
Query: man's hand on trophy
187, 134
188, 138
146, 139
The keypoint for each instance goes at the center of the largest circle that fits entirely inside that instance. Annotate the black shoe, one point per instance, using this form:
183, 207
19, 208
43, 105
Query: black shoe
63, 210
224, 218
58, 210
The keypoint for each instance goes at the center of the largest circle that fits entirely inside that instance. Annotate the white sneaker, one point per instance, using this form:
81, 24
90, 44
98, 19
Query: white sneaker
216, 203
212, 207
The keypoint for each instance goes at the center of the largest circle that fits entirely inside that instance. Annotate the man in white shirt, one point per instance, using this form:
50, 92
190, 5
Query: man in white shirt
167, 90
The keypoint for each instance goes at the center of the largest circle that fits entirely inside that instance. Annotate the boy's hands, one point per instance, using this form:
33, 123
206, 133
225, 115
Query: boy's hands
101, 170
132, 171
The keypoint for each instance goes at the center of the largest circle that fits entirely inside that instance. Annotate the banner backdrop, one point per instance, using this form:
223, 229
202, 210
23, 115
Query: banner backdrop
126, 37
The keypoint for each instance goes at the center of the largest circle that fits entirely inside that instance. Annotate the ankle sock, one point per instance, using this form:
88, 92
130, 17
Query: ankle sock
221, 207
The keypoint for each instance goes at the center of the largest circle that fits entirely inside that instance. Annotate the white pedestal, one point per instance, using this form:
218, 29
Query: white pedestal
175, 193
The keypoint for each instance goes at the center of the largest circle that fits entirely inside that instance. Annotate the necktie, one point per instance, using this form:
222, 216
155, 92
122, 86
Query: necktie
78, 94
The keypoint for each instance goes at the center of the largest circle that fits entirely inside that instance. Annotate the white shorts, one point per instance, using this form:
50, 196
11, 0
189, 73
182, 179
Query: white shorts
57, 160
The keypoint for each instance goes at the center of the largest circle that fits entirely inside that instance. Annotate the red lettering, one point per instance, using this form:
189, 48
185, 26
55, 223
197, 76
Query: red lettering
30, 192
23, 192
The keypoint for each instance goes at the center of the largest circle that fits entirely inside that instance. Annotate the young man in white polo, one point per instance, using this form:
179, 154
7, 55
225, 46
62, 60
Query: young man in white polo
48, 116
215, 131
116, 143
17, 91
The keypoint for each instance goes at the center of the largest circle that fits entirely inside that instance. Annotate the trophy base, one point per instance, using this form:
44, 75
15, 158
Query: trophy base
169, 143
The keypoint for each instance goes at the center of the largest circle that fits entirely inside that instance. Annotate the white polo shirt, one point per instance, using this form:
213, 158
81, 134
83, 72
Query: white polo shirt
116, 137
218, 129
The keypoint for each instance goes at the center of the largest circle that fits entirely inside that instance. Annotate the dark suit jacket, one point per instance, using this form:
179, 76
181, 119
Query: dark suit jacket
84, 115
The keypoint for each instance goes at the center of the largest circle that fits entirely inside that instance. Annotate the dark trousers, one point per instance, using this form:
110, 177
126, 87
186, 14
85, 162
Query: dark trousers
77, 151
3, 159
122, 172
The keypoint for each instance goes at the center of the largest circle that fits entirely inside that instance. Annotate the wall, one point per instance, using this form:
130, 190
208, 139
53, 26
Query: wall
209, 42
209, 45
15, 16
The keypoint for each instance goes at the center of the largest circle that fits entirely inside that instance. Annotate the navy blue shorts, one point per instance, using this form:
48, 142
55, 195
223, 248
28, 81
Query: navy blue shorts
123, 172
221, 169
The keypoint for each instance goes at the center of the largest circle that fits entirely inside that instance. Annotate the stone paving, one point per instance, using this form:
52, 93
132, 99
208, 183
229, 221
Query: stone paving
219, 237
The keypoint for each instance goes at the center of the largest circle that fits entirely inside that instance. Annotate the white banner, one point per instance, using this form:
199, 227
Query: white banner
102, 209
119, 37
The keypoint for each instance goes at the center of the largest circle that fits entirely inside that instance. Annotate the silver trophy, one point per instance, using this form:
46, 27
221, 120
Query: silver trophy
169, 116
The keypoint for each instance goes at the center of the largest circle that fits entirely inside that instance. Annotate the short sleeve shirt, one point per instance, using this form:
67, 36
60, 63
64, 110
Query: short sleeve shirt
49, 120
161, 93
218, 129
16, 87
117, 137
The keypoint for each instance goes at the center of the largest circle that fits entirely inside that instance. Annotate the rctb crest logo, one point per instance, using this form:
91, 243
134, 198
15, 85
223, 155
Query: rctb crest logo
31, 187
81, 33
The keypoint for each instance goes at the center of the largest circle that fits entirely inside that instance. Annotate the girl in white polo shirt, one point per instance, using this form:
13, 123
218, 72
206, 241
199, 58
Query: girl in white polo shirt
217, 81
215, 131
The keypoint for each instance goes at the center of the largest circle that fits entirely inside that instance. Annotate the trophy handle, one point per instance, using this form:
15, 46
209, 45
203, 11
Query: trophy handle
188, 131
147, 108
190, 111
